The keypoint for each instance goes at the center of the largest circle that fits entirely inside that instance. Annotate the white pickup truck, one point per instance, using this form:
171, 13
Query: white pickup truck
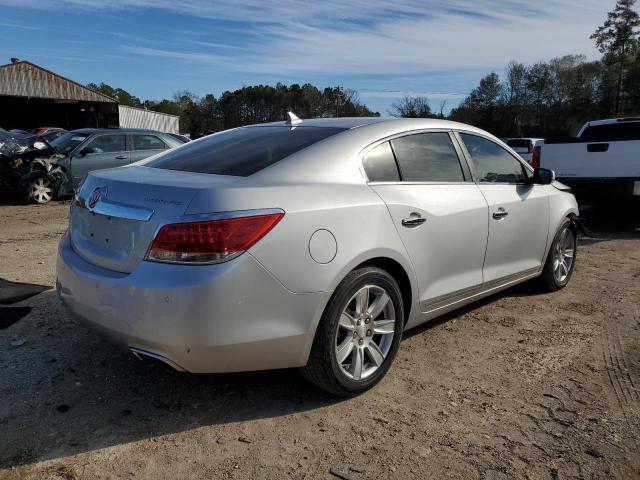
602, 163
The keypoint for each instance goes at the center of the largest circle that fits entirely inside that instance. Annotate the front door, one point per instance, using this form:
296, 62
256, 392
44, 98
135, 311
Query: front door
439, 212
518, 214
103, 151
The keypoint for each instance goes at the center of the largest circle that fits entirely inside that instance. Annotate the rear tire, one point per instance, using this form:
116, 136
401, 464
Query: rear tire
561, 259
358, 335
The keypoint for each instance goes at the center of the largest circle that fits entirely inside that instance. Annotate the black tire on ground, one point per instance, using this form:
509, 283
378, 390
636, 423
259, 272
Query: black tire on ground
323, 369
548, 279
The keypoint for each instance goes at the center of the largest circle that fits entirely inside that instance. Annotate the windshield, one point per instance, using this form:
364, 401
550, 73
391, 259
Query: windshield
65, 144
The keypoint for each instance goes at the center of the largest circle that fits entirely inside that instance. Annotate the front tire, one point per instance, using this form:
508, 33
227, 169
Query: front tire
41, 190
561, 260
359, 334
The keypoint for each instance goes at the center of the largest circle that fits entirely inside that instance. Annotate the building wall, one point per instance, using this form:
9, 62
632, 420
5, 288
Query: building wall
131, 117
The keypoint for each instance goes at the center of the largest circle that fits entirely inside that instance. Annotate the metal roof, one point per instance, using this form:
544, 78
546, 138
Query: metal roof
25, 79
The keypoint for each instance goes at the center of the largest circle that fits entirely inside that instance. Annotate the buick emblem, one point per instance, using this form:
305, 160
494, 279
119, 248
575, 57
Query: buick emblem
96, 195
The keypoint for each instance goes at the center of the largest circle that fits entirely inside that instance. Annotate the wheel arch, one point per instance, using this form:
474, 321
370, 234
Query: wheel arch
399, 274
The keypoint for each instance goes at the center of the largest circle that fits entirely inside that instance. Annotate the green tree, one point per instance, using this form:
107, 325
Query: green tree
616, 38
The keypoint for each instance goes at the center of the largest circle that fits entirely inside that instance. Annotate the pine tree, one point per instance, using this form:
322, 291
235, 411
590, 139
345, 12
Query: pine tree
616, 37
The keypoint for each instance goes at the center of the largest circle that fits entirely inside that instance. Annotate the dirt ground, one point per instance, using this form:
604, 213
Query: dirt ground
522, 385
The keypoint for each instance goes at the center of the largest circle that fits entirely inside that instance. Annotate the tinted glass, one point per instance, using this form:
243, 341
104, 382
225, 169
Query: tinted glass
613, 131
108, 144
67, 142
493, 163
520, 145
427, 157
242, 151
148, 142
380, 164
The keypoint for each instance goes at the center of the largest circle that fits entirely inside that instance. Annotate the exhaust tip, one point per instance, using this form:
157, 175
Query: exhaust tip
143, 355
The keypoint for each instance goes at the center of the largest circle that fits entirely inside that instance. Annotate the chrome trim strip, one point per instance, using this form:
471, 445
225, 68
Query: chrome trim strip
459, 296
109, 208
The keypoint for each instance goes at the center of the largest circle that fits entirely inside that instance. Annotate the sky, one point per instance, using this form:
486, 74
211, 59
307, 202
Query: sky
381, 48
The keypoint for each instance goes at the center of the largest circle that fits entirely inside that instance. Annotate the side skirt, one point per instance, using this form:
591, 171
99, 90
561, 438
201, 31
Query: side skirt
447, 303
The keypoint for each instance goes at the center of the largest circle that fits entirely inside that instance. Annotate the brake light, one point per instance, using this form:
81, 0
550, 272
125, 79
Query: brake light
535, 158
212, 241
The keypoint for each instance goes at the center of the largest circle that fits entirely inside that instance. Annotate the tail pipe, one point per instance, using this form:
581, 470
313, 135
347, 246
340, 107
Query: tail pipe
144, 355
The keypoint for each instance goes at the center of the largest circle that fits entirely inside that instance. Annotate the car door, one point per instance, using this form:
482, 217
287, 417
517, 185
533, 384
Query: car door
102, 151
144, 145
437, 209
518, 210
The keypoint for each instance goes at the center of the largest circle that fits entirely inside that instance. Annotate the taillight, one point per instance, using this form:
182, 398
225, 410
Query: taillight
210, 241
535, 158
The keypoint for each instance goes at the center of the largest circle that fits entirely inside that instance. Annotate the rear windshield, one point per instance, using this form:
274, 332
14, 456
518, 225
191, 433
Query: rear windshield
613, 131
519, 143
242, 151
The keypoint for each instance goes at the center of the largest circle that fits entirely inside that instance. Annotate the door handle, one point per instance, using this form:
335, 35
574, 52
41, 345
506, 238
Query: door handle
500, 213
121, 157
414, 220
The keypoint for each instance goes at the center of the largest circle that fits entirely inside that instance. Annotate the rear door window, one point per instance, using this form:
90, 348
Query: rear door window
492, 162
380, 164
148, 142
427, 157
242, 151
108, 144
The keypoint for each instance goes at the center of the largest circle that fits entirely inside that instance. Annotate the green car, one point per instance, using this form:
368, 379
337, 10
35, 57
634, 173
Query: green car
81, 151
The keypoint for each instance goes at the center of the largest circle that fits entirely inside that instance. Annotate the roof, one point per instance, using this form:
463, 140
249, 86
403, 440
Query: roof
349, 123
89, 131
609, 121
25, 79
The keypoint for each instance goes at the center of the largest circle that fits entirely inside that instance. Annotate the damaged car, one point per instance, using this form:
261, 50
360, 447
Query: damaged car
27, 168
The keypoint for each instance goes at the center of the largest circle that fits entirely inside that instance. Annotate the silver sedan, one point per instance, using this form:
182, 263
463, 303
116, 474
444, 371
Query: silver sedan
310, 244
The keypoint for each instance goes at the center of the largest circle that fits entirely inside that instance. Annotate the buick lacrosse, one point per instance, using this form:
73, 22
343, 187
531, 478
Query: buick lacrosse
308, 243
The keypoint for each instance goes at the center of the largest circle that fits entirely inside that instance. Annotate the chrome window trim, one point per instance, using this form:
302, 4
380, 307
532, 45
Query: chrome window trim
365, 151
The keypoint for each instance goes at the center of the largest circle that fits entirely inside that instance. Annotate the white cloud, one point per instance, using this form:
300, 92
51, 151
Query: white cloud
371, 37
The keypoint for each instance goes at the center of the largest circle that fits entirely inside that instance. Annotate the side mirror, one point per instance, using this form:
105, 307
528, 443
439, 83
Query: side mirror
543, 176
87, 151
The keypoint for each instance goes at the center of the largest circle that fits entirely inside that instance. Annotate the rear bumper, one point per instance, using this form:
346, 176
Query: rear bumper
603, 189
234, 316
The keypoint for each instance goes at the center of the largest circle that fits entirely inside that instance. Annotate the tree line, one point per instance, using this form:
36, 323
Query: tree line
545, 99
247, 105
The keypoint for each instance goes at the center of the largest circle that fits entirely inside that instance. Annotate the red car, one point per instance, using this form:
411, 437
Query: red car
48, 133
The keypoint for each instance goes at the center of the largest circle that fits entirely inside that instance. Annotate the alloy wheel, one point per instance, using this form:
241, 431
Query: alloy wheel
42, 190
365, 332
563, 255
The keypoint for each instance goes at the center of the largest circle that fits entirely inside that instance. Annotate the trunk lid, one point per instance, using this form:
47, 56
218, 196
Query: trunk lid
117, 212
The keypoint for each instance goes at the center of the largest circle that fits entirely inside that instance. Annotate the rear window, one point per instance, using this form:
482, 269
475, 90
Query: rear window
520, 145
243, 151
613, 131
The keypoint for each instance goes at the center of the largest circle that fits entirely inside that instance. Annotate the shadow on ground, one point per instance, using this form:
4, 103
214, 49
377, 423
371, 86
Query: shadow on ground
65, 391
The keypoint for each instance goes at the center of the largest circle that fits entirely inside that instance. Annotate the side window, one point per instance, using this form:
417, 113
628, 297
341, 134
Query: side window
493, 163
108, 143
148, 142
427, 157
380, 164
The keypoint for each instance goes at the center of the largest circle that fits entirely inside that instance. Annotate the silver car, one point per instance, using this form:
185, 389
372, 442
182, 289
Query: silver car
310, 244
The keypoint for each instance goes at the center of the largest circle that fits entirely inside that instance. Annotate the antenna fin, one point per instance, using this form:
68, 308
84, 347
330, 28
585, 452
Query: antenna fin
293, 119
